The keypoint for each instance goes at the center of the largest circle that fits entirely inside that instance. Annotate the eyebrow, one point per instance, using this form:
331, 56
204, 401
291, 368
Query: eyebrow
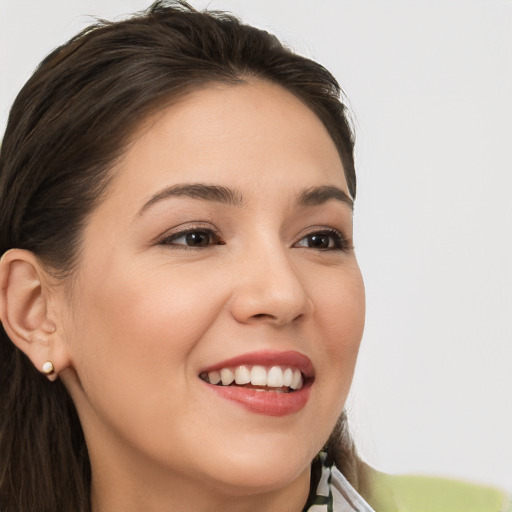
313, 196
212, 193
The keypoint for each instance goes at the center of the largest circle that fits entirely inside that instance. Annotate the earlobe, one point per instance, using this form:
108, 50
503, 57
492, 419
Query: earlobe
24, 310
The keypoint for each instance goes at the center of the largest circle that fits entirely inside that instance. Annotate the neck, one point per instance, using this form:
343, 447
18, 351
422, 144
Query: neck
132, 491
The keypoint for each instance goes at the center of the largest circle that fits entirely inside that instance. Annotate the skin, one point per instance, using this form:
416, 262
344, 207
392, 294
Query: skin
144, 313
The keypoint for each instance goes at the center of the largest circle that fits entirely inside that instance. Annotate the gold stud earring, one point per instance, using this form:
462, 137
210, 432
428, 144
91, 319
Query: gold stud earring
48, 367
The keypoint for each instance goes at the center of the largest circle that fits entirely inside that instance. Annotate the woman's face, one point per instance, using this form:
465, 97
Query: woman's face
223, 245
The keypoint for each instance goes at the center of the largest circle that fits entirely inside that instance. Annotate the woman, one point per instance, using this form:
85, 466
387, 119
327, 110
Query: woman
176, 214
181, 303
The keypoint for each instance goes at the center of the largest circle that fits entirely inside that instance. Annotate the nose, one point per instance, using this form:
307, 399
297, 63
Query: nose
269, 289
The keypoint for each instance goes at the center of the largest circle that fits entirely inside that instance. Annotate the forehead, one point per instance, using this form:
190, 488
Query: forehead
249, 136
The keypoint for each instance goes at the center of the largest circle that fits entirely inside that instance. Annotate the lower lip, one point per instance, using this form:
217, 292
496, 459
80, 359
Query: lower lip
270, 403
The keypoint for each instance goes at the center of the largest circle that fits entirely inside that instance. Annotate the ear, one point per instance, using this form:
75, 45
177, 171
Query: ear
25, 313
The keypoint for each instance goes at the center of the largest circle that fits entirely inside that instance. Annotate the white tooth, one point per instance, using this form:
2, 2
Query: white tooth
214, 377
258, 376
227, 376
242, 375
287, 377
297, 380
275, 377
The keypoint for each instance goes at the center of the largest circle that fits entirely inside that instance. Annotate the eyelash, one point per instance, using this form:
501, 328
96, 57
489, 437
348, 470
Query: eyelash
340, 243
171, 239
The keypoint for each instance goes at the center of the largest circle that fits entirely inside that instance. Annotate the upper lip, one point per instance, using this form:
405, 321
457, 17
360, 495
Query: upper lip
268, 358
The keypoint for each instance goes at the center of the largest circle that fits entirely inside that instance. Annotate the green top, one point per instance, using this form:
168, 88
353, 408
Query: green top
413, 493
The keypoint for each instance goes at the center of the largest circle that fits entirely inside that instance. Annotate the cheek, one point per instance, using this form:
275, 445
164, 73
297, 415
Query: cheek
340, 307
133, 350
336, 331
340, 313
139, 328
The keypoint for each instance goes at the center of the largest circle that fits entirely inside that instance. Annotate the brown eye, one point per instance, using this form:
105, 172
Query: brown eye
323, 241
318, 241
195, 238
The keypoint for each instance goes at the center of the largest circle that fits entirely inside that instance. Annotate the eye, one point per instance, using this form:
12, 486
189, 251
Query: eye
324, 240
194, 238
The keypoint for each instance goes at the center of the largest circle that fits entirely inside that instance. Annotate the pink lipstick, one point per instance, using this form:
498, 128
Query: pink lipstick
266, 382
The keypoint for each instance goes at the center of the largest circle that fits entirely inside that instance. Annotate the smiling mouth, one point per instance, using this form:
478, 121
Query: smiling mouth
277, 379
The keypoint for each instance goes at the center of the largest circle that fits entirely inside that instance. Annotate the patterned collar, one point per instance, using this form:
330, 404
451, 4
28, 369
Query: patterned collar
334, 493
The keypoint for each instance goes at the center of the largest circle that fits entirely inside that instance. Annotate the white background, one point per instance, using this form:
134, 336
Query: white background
430, 85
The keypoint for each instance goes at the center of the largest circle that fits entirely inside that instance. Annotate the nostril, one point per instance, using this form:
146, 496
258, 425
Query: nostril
275, 319
265, 317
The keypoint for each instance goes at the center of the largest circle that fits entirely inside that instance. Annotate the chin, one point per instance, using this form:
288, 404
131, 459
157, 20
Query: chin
261, 470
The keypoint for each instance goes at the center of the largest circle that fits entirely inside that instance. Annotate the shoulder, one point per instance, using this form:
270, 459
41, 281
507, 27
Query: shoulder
414, 493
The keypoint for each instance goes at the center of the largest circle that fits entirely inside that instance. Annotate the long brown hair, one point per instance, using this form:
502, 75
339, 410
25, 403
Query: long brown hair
67, 127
